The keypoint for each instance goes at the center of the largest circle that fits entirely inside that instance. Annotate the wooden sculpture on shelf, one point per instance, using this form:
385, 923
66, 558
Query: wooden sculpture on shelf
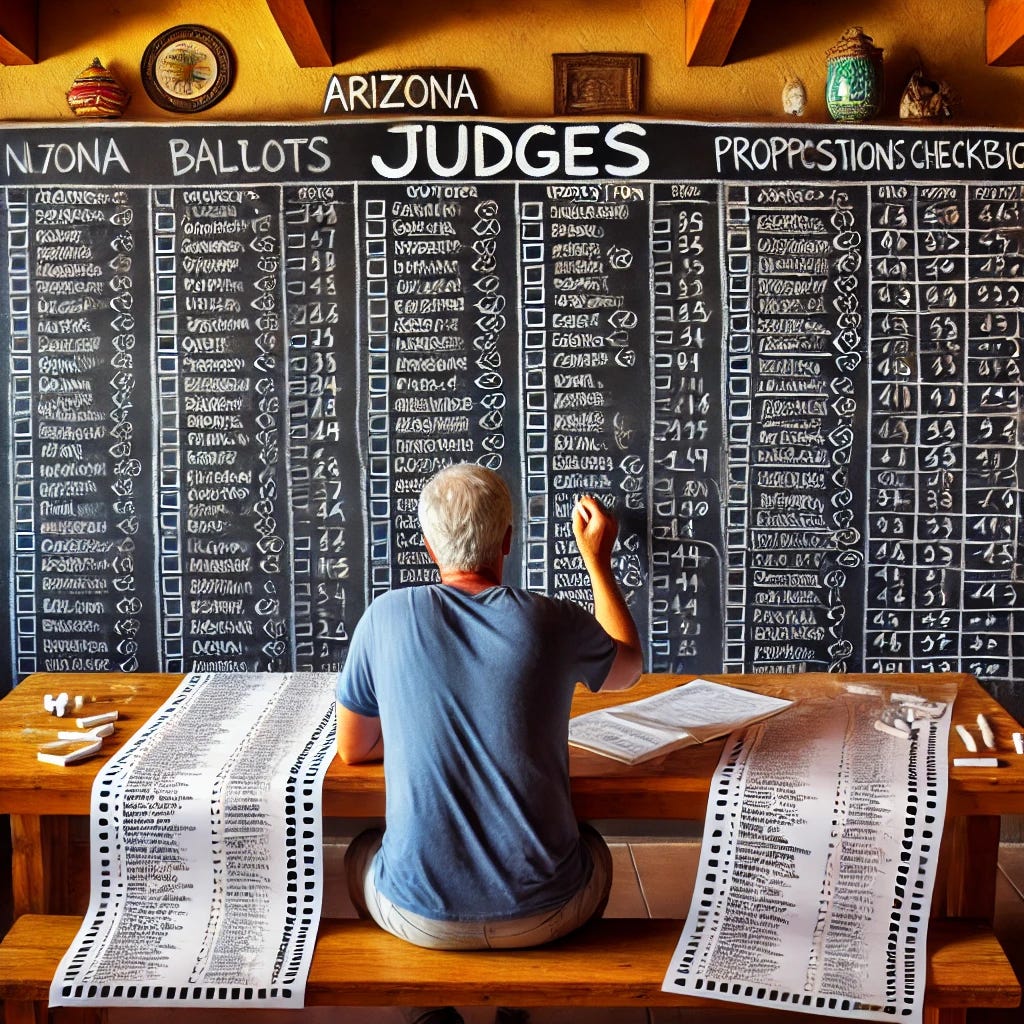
926, 99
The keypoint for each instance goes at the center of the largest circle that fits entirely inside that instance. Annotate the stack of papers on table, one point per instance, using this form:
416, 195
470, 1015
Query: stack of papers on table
682, 717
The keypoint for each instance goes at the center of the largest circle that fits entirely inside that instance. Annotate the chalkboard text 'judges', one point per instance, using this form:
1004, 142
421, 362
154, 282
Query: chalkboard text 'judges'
484, 150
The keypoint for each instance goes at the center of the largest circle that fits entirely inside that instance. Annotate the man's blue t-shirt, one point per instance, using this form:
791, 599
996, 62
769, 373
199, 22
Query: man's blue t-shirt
473, 693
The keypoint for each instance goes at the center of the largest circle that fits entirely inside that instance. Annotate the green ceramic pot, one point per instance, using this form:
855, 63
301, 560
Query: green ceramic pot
853, 80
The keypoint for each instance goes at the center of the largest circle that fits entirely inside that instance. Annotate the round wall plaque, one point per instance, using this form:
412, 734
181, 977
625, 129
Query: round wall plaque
187, 69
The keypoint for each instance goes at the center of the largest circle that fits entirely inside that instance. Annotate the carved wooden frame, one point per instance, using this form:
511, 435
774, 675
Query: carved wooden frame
612, 79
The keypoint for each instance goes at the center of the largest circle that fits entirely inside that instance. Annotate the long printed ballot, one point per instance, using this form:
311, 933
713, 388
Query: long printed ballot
206, 850
819, 859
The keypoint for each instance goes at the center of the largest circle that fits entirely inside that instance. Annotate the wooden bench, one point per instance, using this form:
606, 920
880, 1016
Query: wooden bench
612, 962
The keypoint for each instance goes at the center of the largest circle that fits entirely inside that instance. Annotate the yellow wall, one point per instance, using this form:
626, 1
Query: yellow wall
510, 42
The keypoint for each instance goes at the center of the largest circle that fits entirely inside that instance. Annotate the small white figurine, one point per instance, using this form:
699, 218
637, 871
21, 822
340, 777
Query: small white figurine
794, 97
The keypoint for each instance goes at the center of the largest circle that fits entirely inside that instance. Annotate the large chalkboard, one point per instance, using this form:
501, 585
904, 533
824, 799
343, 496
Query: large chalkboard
790, 357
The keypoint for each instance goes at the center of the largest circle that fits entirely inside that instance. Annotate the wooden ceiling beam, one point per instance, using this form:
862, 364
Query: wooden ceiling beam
1004, 32
711, 27
307, 29
19, 31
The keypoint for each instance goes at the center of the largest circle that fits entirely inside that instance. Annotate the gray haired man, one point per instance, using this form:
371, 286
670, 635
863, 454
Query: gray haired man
464, 688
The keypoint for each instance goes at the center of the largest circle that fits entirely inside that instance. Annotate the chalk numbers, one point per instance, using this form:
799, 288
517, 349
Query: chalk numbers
945, 388
685, 426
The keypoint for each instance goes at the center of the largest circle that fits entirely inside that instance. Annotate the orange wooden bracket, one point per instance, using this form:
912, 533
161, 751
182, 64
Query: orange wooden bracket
306, 27
19, 29
711, 27
1004, 32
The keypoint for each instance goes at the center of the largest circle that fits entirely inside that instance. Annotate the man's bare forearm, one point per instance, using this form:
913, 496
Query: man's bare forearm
611, 610
595, 531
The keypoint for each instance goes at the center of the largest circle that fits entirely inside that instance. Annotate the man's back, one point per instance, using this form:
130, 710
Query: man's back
473, 692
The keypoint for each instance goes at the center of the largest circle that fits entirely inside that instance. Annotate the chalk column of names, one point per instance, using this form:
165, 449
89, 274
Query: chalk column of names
795, 316
225, 603
79, 490
586, 316
439, 341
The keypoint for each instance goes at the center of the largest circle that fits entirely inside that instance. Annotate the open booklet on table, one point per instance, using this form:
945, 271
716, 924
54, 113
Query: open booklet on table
693, 713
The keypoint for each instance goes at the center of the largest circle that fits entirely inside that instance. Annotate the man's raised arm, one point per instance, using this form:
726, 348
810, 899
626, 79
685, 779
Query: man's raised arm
595, 530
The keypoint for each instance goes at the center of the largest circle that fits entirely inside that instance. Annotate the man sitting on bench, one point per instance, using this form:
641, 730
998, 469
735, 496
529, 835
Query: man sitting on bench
464, 688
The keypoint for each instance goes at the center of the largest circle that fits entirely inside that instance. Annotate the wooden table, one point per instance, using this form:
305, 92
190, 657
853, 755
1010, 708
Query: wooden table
41, 798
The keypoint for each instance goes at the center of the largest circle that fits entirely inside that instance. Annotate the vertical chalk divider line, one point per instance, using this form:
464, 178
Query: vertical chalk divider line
361, 412
918, 313
292, 544
869, 417
736, 232
154, 406
884, 373
662, 335
520, 378
24, 622
168, 451
1018, 535
989, 451
376, 297
533, 296
124, 449
965, 419
296, 347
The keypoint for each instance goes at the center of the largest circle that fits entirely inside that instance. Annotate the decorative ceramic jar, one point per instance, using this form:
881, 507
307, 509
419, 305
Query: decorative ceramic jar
96, 93
853, 80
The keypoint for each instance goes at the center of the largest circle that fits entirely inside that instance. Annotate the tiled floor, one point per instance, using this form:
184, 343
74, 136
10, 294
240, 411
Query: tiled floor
653, 879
